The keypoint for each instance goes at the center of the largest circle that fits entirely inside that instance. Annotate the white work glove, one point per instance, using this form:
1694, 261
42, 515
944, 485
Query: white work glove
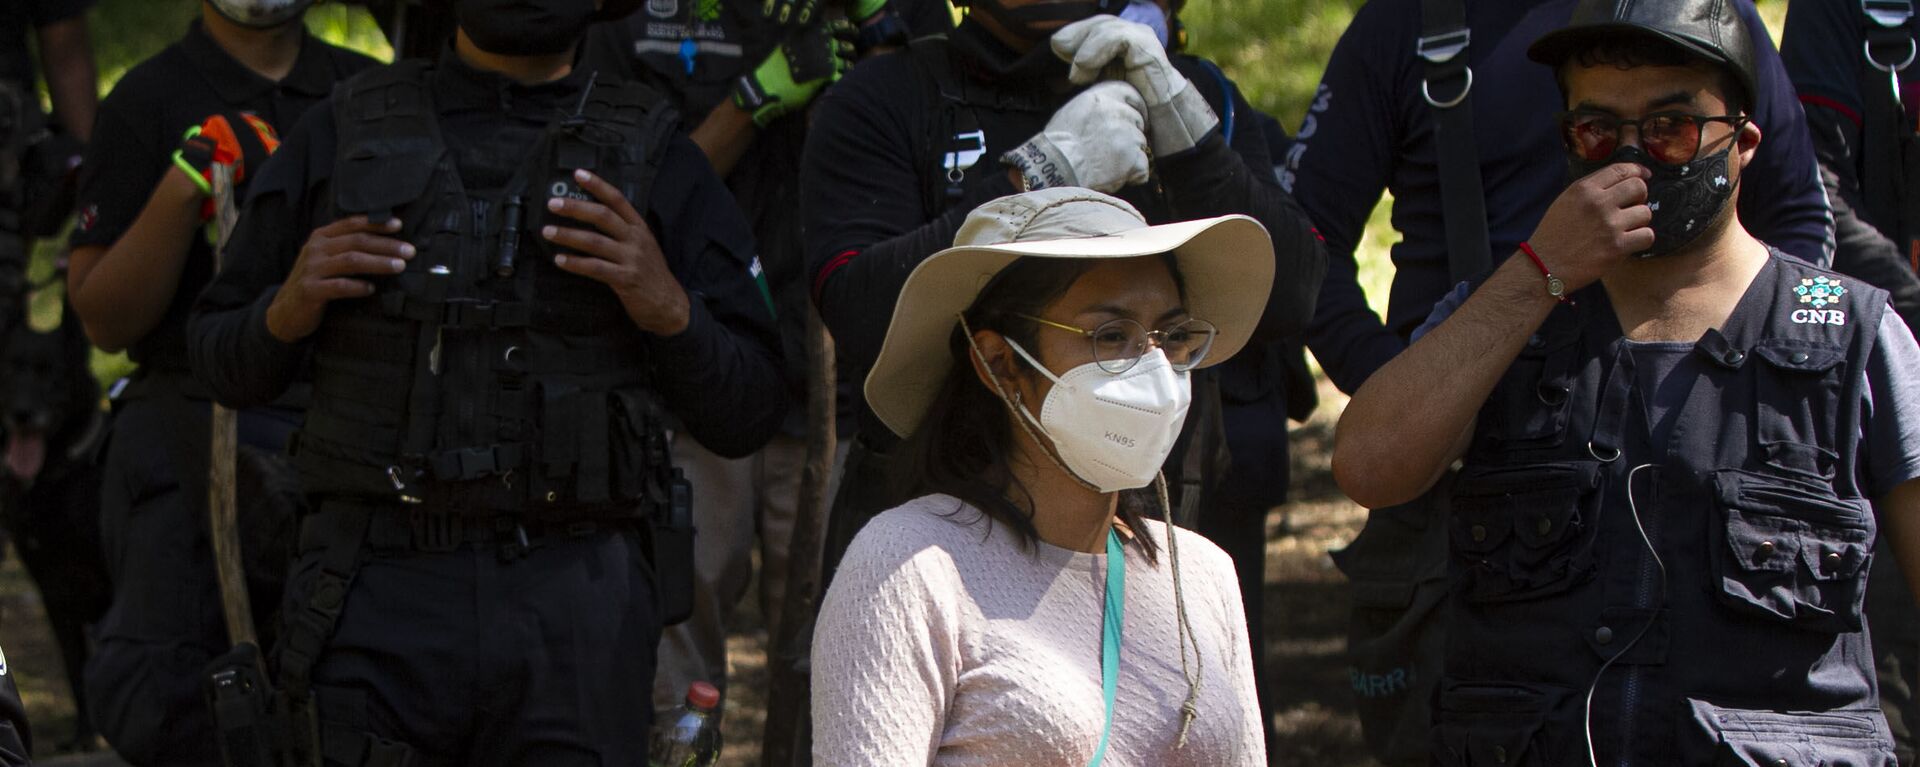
1177, 115
1097, 140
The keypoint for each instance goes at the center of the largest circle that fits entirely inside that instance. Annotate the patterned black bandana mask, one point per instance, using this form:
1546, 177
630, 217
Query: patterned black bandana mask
1685, 198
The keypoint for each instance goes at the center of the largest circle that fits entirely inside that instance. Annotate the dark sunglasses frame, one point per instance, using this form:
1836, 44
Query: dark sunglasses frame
1699, 122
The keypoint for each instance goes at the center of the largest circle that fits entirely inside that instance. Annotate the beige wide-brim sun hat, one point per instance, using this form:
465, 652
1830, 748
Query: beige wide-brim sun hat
1225, 262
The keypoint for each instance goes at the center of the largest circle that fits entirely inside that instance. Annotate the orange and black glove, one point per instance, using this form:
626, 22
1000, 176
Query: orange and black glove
238, 139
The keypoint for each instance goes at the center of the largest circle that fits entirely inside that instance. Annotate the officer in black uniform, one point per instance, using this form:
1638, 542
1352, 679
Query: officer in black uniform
141, 253
744, 72
496, 335
908, 143
1670, 431
1853, 64
36, 156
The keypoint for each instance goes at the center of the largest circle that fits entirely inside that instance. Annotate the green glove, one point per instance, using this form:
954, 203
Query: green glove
794, 13
793, 73
861, 10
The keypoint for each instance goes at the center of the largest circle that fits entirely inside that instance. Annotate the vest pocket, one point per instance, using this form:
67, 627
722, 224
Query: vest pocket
1533, 396
1732, 736
1795, 421
1790, 552
1524, 532
383, 175
1501, 724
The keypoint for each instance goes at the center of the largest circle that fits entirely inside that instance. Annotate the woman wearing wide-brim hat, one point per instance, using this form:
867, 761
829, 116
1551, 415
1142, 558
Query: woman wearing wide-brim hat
1023, 609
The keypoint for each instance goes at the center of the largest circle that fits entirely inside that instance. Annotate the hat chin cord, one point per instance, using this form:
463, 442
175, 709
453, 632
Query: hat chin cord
1189, 708
1019, 411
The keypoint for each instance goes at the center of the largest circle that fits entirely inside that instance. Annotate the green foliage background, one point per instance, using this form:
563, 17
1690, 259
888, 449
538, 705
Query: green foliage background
1274, 49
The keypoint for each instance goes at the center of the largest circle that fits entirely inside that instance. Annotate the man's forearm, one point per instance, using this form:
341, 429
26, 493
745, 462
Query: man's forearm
724, 136
121, 292
232, 353
1411, 419
708, 364
1899, 514
67, 58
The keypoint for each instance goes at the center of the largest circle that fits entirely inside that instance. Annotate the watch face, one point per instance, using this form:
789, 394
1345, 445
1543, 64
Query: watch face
1555, 287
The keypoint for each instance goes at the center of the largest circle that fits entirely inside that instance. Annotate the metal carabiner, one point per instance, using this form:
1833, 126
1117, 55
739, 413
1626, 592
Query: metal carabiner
1594, 451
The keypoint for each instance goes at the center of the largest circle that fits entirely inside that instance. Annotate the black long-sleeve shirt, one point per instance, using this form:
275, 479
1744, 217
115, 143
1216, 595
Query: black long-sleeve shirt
719, 376
878, 141
1821, 48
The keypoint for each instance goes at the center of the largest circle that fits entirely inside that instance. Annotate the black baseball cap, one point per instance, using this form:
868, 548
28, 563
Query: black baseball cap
1709, 29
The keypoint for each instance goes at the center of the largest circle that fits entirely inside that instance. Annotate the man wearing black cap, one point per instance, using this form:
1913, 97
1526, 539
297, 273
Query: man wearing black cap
515, 270
1670, 433
1379, 124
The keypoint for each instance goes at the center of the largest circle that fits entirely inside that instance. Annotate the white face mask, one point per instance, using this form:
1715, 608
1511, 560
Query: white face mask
1113, 430
260, 13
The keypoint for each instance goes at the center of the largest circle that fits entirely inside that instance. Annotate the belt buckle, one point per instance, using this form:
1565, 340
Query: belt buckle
436, 531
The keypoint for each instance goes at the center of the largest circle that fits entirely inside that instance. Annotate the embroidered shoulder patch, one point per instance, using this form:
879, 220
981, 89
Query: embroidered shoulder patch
1819, 294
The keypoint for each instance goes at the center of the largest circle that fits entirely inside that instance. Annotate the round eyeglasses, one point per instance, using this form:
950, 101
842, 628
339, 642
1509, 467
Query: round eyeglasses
1118, 344
1671, 138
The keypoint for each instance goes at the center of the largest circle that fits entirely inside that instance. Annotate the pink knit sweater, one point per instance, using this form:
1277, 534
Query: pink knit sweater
943, 641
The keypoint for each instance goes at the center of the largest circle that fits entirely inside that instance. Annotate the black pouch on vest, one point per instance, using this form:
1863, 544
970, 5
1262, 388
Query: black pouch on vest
673, 551
242, 704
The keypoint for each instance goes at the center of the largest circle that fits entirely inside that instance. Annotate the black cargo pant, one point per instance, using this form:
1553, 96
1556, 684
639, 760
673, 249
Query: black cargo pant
478, 657
144, 678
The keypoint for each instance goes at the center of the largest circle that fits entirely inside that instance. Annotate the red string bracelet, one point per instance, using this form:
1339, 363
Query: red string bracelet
1555, 286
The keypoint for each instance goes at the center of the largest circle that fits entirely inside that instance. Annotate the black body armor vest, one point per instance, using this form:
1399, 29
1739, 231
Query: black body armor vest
1697, 602
483, 378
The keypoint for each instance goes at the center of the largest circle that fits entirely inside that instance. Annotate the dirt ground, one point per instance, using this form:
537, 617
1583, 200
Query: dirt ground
1305, 613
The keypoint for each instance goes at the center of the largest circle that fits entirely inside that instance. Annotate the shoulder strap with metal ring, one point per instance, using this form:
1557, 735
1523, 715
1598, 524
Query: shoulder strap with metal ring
1887, 48
1443, 42
1112, 619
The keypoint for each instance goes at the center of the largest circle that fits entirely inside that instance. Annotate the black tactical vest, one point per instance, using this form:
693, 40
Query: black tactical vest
483, 378
1752, 607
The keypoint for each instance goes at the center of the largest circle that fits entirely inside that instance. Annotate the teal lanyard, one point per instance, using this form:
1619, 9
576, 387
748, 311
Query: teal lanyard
1111, 618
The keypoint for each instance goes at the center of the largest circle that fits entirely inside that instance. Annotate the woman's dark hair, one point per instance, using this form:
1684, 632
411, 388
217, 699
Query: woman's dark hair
1627, 52
965, 441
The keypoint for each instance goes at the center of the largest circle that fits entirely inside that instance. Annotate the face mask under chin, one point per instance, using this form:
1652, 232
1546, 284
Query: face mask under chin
1687, 200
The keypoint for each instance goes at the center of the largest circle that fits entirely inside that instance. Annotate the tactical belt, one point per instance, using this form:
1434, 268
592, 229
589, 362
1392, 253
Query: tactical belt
402, 528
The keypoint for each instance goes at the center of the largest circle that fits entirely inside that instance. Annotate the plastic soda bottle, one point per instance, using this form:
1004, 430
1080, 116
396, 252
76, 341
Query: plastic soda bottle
690, 735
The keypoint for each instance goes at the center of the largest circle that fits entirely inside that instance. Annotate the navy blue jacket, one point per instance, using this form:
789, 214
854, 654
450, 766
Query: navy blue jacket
1369, 131
1821, 47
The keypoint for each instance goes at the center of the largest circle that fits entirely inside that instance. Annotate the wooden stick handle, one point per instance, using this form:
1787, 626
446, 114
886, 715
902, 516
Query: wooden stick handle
222, 484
